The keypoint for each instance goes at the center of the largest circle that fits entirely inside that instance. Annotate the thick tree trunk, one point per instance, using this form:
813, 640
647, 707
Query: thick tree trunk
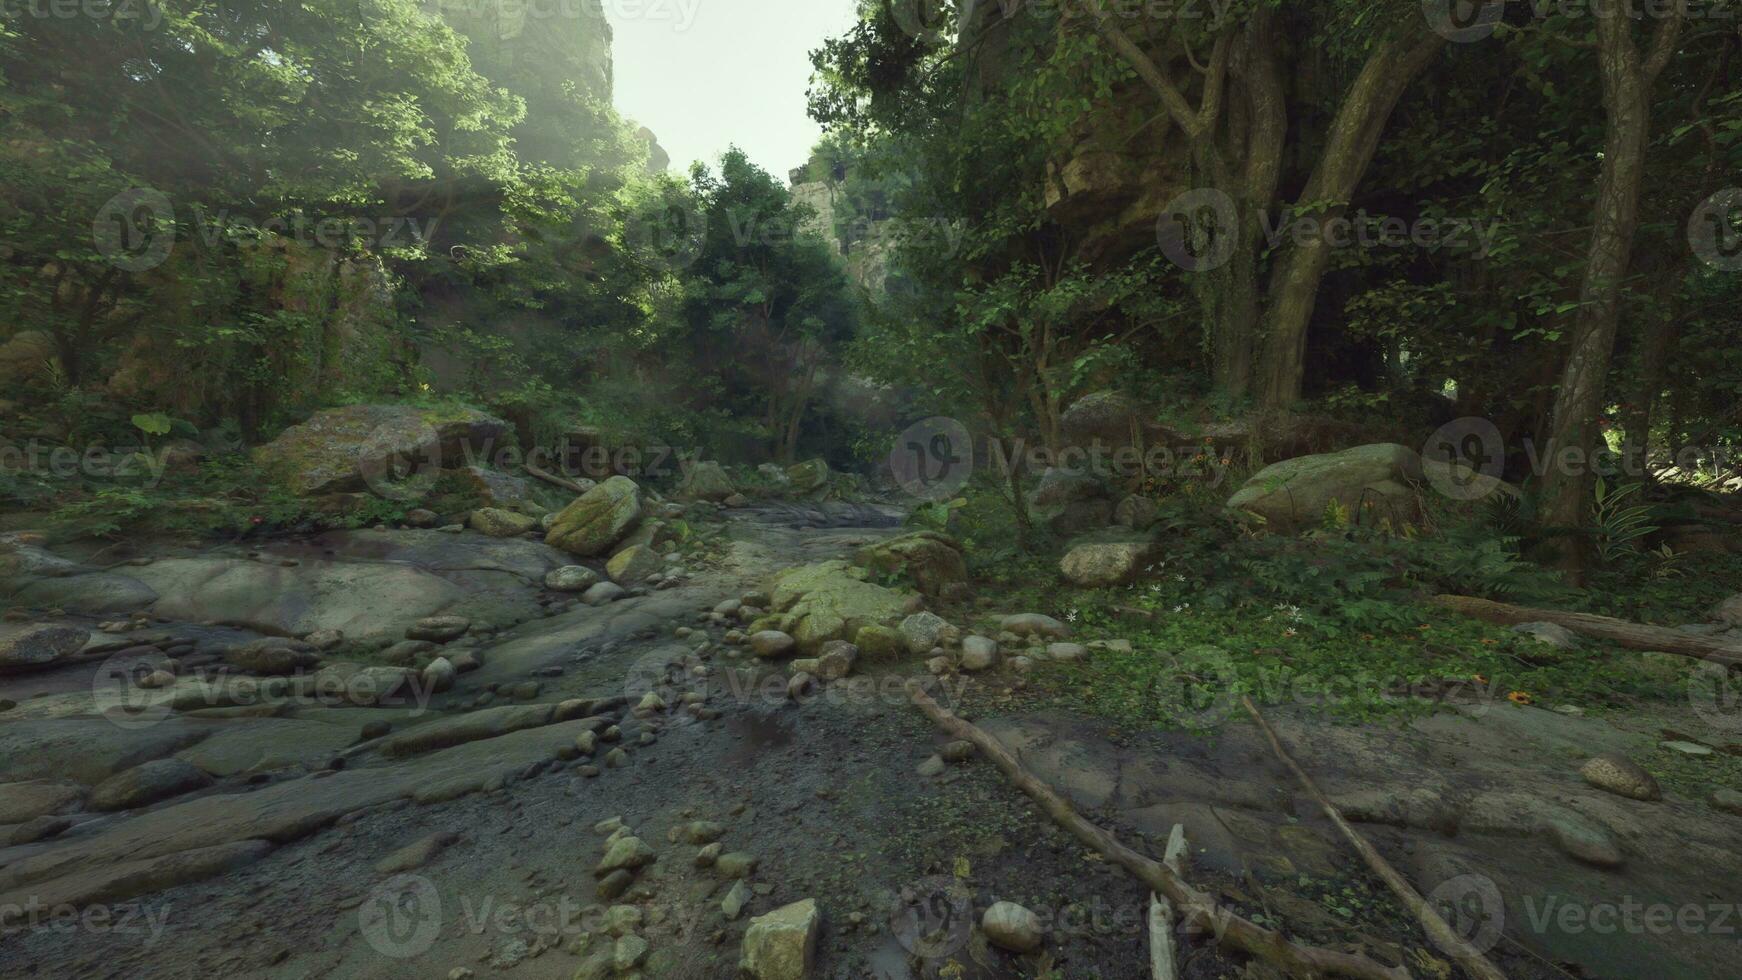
1349, 149
1627, 83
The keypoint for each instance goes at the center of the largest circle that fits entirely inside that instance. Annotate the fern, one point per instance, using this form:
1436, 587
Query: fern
1616, 524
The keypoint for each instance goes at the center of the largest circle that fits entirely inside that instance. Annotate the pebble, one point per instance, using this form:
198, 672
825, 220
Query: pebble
932, 766
1012, 927
1620, 775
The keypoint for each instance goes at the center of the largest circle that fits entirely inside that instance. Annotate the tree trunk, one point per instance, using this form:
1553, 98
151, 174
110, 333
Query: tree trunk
1627, 84
1661, 334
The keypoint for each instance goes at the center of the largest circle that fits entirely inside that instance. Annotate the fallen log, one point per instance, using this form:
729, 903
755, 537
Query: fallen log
1447, 939
1620, 632
1195, 907
553, 479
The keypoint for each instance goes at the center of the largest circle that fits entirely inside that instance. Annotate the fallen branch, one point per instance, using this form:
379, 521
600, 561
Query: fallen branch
1468, 957
1620, 632
553, 479
1161, 946
1197, 908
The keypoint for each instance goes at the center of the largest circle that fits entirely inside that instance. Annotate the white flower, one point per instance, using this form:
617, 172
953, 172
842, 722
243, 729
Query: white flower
1071, 616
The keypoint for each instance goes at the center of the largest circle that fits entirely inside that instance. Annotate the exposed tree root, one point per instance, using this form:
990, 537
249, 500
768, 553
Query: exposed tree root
1620, 632
1197, 908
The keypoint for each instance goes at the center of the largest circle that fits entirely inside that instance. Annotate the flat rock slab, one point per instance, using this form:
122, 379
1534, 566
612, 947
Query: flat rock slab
266, 744
89, 750
22, 802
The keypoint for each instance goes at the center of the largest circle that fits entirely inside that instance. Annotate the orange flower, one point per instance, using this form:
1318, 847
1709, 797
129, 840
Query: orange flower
1520, 697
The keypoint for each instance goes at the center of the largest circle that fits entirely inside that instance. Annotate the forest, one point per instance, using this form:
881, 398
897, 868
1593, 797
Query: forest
1160, 489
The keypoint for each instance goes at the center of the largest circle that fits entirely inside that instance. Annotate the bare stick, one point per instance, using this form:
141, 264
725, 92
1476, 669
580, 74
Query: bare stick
552, 479
1196, 907
1161, 953
1620, 632
1468, 957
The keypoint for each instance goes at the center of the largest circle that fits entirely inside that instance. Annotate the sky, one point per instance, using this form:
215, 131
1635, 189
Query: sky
705, 74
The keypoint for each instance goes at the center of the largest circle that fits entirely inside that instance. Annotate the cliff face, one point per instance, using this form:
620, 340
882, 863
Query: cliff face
556, 55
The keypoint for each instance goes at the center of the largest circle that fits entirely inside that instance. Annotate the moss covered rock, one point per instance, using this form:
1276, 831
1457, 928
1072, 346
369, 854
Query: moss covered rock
598, 519
932, 560
706, 481
828, 601
379, 447
1296, 493
809, 476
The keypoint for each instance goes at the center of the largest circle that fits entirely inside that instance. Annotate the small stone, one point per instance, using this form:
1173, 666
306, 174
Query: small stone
1620, 775
979, 653
157, 679
439, 629
628, 953
587, 742
736, 864
1687, 748
1581, 839
415, 855
624, 854
800, 685
571, 578
733, 904
603, 593
613, 885
610, 825
1034, 624
781, 945
1067, 652
622, 920
440, 674
706, 857
960, 750
617, 758
699, 832
1012, 927
1553, 634
1727, 800
769, 644
932, 766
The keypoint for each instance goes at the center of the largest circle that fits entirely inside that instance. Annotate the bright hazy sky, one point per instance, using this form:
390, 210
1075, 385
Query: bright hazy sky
704, 74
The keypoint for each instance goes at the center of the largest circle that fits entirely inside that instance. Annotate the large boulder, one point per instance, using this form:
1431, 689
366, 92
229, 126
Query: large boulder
345, 450
494, 488
782, 945
809, 476
824, 602
932, 560
34, 647
1296, 493
1099, 564
598, 519
706, 481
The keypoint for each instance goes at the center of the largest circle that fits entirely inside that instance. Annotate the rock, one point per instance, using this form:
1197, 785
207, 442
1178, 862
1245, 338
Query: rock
979, 653
706, 481
835, 660
699, 832
35, 647
616, 758
423, 519
1581, 839
415, 855
706, 857
1012, 927
628, 953
407, 653
1728, 612
1727, 800
1295, 494
932, 766
769, 644
499, 523
1552, 634
1034, 624
1620, 775
1688, 748
808, 477
440, 675
344, 450
496, 490
933, 561
735, 864
1100, 564
146, 784
924, 631
613, 885
571, 578
781, 945
474, 726
21, 802
37, 830
634, 564
1136, 512
959, 750
604, 593
736, 899
624, 854
272, 657
880, 643
1067, 652
438, 629
827, 601
736, 501
325, 641
800, 685
598, 519
157, 680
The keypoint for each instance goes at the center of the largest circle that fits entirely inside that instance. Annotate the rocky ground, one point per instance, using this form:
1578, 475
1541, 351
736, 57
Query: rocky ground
474, 759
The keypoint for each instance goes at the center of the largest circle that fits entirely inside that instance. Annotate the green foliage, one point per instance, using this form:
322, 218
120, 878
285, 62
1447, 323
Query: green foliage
1617, 524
